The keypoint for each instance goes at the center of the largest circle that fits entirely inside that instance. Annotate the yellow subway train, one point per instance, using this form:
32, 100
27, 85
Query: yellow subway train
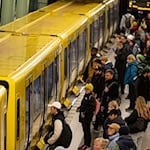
42, 55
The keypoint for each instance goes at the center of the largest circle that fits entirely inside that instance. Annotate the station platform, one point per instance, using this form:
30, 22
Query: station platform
73, 116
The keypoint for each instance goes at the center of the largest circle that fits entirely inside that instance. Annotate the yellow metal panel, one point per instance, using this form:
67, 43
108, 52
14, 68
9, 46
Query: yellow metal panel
16, 50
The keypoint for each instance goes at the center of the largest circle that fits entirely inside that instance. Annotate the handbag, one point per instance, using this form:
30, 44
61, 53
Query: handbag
138, 126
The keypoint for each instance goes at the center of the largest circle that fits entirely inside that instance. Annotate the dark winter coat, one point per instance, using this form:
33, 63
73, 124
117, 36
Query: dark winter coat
120, 64
125, 142
142, 86
98, 82
87, 108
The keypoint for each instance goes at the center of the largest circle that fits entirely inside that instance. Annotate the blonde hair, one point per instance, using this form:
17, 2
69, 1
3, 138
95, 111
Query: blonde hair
103, 142
131, 56
142, 108
104, 58
114, 104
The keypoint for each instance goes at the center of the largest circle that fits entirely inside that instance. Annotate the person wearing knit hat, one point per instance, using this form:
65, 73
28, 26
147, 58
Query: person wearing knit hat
86, 109
125, 141
89, 87
113, 134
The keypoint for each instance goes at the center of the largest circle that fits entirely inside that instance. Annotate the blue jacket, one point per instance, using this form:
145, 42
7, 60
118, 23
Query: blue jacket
112, 141
131, 72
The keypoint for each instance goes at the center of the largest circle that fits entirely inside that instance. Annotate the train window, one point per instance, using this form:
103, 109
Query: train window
50, 80
85, 43
36, 101
96, 32
18, 119
101, 30
44, 92
73, 53
65, 63
28, 112
91, 35
81, 42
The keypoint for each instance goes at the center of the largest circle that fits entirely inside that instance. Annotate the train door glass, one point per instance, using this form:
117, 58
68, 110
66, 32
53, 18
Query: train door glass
50, 80
96, 32
28, 112
81, 45
86, 42
66, 63
91, 35
73, 53
57, 69
3, 109
44, 92
37, 98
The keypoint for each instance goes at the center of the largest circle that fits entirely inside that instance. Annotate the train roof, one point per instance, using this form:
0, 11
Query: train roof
16, 50
33, 16
57, 25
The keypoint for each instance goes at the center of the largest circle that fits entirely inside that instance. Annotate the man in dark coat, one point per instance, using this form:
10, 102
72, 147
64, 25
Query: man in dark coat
120, 64
111, 91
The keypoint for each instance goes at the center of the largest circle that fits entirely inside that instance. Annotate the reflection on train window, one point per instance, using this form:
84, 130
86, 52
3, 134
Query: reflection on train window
101, 30
36, 101
28, 111
50, 80
85, 43
91, 35
73, 53
96, 32
65, 63
81, 44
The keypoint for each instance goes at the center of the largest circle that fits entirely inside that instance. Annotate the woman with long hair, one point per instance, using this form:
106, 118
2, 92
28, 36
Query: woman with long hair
138, 120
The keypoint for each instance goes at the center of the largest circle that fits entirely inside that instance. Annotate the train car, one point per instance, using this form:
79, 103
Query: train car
142, 5
73, 31
29, 67
41, 58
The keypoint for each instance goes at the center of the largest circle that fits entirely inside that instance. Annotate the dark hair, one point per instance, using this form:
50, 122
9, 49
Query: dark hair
110, 71
113, 112
94, 48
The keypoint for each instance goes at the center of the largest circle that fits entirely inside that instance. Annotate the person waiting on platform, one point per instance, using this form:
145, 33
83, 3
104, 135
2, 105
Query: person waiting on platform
137, 121
100, 144
113, 134
125, 141
130, 74
59, 133
86, 109
89, 71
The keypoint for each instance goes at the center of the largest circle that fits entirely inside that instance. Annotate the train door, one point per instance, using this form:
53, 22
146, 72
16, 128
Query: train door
3, 113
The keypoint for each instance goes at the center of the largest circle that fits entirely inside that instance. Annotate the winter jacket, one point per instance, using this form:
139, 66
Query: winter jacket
112, 141
87, 107
125, 142
131, 72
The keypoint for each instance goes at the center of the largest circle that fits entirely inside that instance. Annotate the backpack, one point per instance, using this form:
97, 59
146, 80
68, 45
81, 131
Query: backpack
128, 21
66, 136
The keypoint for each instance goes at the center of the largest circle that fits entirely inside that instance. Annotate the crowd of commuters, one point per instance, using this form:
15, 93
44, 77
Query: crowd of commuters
106, 83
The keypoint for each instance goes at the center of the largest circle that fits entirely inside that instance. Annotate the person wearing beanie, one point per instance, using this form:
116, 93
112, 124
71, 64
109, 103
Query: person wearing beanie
86, 109
125, 141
